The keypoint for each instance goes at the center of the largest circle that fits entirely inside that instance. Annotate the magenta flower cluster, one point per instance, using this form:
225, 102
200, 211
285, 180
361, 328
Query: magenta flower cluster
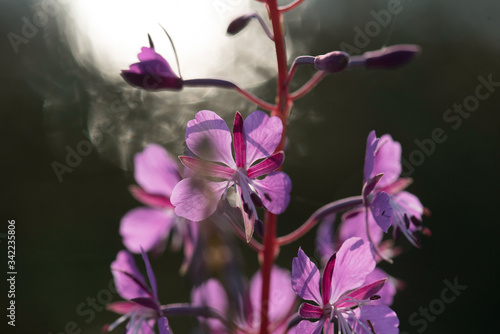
229, 183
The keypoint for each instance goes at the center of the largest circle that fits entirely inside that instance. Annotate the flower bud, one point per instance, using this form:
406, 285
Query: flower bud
332, 62
239, 23
390, 57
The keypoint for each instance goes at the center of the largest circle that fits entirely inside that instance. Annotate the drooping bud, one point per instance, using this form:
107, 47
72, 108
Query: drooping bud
239, 24
332, 62
390, 57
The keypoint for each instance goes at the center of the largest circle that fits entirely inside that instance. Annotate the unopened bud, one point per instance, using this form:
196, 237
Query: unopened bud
332, 62
390, 57
239, 24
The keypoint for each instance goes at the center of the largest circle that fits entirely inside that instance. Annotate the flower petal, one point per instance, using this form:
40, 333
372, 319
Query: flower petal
307, 327
145, 227
150, 273
129, 281
158, 201
354, 262
326, 279
238, 141
382, 210
387, 160
388, 290
155, 171
305, 278
209, 138
211, 294
309, 311
325, 244
274, 190
196, 199
371, 147
354, 225
364, 292
382, 318
267, 165
163, 325
206, 168
281, 296
262, 135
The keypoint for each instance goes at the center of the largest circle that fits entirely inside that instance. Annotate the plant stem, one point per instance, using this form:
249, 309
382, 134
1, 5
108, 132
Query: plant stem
284, 104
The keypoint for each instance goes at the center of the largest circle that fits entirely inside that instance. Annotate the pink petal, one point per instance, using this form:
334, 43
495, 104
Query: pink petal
371, 147
409, 203
196, 199
305, 278
206, 168
132, 284
326, 279
307, 327
354, 262
281, 297
388, 290
354, 225
122, 307
310, 311
262, 135
387, 160
364, 292
383, 319
274, 190
163, 326
145, 227
158, 201
325, 244
382, 210
211, 294
155, 171
209, 138
267, 165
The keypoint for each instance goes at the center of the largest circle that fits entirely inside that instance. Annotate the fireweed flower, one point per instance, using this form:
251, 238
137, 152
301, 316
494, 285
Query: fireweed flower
282, 304
354, 225
152, 72
142, 308
149, 227
383, 191
256, 138
344, 304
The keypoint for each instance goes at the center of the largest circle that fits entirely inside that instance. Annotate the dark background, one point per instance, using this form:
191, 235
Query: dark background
66, 232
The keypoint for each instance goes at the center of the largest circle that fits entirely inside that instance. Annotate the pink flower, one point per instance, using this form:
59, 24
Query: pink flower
142, 308
254, 141
149, 227
344, 302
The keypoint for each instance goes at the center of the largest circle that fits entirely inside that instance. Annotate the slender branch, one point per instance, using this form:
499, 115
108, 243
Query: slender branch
308, 86
290, 6
334, 207
229, 85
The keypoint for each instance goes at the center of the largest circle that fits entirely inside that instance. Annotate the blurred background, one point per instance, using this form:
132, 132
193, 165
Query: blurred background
61, 90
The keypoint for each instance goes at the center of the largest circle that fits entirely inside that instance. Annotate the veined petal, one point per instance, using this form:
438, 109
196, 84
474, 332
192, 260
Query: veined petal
238, 141
305, 278
267, 165
309, 311
307, 327
122, 307
325, 244
371, 147
388, 290
382, 319
129, 281
209, 138
206, 168
274, 190
155, 171
262, 135
196, 199
408, 203
364, 292
354, 262
163, 325
382, 210
145, 227
158, 201
387, 160
281, 295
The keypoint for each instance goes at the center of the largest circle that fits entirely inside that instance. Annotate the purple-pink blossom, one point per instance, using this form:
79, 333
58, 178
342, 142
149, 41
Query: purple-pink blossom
252, 170
383, 191
152, 72
149, 227
282, 304
142, 309
341, 297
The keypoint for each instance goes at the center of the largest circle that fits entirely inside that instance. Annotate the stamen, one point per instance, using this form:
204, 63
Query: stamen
266, 195
256, 200
371, 326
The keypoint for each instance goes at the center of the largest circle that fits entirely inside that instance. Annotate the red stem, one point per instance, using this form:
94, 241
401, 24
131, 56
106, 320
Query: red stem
282, 109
